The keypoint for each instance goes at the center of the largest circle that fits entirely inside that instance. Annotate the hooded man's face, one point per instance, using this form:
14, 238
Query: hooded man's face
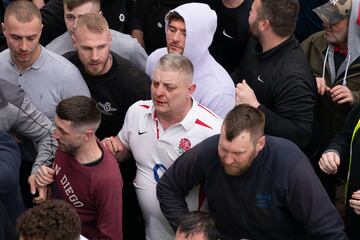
175, 36
336, 33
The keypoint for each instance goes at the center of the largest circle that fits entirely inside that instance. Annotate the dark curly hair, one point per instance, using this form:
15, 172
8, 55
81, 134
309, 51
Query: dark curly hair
51, 220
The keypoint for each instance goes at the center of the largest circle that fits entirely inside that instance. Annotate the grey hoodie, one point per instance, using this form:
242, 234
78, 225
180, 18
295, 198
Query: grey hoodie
353, 47
18, 114
214, 87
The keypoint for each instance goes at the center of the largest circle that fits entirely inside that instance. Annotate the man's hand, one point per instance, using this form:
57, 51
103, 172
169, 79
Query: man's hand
329, 162
116, 147
321, 85
42, 195
355, 202
41, 190
38, 3
341, 94
44, 176
245, 95
138, 35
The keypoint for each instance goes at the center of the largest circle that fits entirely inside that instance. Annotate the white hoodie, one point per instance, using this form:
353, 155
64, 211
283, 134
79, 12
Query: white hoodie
214, 86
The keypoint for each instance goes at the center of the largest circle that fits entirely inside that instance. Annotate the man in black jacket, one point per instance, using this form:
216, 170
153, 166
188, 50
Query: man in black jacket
274, 74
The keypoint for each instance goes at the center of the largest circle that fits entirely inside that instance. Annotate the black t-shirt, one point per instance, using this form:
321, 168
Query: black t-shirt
232, 34
114, 91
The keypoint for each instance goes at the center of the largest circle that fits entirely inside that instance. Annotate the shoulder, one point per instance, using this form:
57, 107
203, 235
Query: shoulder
127, 70
316, 38
60, 44
57, 61
5, 54
139, 108
283, 153
207, 118
153, 59
122, 37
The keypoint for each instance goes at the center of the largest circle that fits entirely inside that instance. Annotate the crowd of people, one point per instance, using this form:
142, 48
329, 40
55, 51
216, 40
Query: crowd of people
163, 119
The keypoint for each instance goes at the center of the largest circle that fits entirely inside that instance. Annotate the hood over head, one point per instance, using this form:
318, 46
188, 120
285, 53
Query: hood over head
200, 23
344, 8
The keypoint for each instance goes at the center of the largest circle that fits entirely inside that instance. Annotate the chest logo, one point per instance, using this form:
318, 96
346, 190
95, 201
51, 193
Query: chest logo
106, 108
184, 146
227, 35
259, 79
264, 200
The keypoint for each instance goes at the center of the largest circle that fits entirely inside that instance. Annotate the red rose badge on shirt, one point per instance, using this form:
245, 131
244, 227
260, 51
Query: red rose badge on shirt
184, 146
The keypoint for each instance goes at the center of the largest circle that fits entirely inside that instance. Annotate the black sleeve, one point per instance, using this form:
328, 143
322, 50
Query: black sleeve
341, 141
53, 20
188, 171
132, 20
292, 116
309, 203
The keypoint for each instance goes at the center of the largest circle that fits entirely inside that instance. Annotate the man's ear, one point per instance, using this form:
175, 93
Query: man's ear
260, 144
191, 89
3, 28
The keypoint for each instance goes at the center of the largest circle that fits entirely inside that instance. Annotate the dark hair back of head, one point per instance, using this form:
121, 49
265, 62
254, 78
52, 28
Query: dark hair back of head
24, 11
282, 15
50, 220
80, 110
244, 118
197, 222
71, 4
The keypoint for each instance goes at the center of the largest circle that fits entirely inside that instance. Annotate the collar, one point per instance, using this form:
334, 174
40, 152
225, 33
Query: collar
188, 122
291, 41
340, 51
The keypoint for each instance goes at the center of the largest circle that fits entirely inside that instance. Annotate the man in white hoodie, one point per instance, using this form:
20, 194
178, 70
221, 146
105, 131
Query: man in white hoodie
189, 31
334, 57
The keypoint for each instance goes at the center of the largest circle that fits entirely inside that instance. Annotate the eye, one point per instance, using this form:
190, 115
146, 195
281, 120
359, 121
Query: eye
170, 88
155, 84
70, 17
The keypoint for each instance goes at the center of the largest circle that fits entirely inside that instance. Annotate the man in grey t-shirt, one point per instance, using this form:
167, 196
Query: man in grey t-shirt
46, 77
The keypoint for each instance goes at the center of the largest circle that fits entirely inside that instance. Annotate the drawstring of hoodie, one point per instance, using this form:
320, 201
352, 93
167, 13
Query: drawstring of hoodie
325, 60
348, 57
348, 60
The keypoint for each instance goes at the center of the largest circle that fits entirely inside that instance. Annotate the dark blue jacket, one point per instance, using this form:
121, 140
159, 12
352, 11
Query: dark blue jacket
278, 197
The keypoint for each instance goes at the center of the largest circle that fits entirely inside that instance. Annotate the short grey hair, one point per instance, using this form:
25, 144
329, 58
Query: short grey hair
175, 62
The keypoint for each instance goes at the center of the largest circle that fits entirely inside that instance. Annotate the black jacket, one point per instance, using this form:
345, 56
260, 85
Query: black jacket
341, 143
284, 86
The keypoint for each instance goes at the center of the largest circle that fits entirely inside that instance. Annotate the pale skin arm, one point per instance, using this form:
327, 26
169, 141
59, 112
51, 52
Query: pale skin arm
355, 202
138, 35
245, 95
39, 182
117, 148
38, 3
329, 162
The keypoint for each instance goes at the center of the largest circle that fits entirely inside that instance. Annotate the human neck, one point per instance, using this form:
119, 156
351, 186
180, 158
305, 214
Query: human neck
24, 65
89, 152
271, 41
232, 3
